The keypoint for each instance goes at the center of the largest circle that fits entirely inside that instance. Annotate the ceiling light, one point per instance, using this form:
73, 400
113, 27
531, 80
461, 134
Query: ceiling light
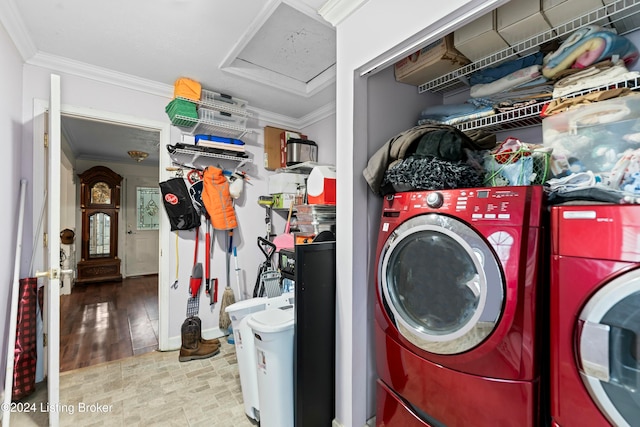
138, 156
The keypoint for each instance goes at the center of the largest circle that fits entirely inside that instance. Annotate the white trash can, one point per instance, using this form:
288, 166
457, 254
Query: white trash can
273, 335
246, 351
287, 298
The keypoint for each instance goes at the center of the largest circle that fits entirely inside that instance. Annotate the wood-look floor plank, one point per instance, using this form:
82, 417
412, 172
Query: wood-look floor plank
108, 321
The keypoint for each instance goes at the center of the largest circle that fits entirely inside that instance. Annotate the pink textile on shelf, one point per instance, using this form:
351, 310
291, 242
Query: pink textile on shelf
589, 57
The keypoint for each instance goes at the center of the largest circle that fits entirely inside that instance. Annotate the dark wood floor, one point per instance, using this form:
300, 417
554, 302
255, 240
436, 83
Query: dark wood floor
108, 321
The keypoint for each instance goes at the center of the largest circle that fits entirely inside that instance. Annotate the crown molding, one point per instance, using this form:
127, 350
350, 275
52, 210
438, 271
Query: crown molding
287, 122
335, 11
81, 69
13, 24
104, 75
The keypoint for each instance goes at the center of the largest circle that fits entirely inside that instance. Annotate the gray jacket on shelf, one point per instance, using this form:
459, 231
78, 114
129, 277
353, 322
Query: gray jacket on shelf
442, 141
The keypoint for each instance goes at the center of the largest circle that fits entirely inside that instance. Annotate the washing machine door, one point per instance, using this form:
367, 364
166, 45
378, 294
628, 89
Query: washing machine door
609, 348
441, 284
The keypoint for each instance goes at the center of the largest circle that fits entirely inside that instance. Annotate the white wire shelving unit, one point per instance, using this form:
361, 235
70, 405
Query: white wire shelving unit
221, 102
530, 115
196, 159
218, 114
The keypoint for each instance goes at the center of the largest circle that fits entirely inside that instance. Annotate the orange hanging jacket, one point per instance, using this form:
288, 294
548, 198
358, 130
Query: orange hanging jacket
217, 199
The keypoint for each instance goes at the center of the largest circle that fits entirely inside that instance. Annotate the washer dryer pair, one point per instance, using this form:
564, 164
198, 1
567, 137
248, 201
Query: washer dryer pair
458, 323
595, 315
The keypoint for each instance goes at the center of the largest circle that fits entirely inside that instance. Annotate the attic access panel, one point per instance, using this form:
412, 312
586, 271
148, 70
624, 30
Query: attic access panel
290, 44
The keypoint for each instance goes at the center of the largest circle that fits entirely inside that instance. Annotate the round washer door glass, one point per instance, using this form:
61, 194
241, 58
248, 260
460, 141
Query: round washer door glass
442, 284
609, 345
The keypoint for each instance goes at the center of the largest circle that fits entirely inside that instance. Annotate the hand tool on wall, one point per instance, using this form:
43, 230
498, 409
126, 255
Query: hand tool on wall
207, 260
267, 203
195, 281
227, 297
175, 283
238, 291
268, 250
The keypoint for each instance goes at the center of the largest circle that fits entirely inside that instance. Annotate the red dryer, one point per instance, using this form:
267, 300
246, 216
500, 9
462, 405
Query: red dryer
457, 325
595, 315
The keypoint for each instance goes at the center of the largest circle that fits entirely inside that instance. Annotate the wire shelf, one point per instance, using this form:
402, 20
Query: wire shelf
195, 159
530, 115
458, 78
211, 127
221, 102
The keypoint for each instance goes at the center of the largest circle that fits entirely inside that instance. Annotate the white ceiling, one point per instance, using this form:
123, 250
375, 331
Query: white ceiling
279, 55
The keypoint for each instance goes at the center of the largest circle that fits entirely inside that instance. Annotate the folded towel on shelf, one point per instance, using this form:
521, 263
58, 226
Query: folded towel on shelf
560, 105
589, 50
489, 75
454, 113
510, 81
187, 88
574, 38
593, 77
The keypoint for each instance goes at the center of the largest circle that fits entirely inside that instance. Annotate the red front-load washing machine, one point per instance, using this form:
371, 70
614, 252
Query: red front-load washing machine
457, 327
595, 315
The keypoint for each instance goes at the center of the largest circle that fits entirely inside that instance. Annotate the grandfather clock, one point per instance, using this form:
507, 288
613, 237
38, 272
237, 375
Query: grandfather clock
100, 203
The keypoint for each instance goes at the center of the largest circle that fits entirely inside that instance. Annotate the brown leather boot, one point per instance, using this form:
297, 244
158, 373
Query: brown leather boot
192, 348
202, 340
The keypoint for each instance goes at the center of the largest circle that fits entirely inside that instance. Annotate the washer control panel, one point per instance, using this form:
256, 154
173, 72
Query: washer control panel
493, 204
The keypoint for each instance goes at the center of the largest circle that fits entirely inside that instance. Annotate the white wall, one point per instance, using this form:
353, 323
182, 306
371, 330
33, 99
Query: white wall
10, 175
323, 133
391, 30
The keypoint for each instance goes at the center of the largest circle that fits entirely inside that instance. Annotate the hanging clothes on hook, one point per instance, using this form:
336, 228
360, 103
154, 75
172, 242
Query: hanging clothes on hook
217, 199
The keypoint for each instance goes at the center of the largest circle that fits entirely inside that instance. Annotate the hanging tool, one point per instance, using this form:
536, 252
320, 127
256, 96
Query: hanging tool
268, 250
207, 260
227, 297
175, 283
237, 269
196, 274
215, 290
267, 202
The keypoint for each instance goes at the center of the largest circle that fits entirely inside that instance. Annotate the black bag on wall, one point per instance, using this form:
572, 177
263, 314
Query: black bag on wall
178, 205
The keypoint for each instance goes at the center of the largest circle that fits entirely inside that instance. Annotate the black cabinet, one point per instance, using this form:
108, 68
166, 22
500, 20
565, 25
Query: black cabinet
314, 334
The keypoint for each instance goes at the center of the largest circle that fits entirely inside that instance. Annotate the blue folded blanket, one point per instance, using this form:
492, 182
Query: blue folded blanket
590, 49
489, 75
446, 113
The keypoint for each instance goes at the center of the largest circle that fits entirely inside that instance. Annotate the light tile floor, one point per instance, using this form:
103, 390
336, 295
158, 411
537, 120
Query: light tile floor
152, 389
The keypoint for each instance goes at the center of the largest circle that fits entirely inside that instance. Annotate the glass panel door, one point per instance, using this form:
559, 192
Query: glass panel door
442, 284
610, 348
99, 235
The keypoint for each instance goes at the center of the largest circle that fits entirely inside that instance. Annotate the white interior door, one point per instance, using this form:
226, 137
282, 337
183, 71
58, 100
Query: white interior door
142, 214
52, 259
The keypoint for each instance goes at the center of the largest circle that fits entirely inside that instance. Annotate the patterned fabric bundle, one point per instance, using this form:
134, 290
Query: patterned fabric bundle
431, 173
